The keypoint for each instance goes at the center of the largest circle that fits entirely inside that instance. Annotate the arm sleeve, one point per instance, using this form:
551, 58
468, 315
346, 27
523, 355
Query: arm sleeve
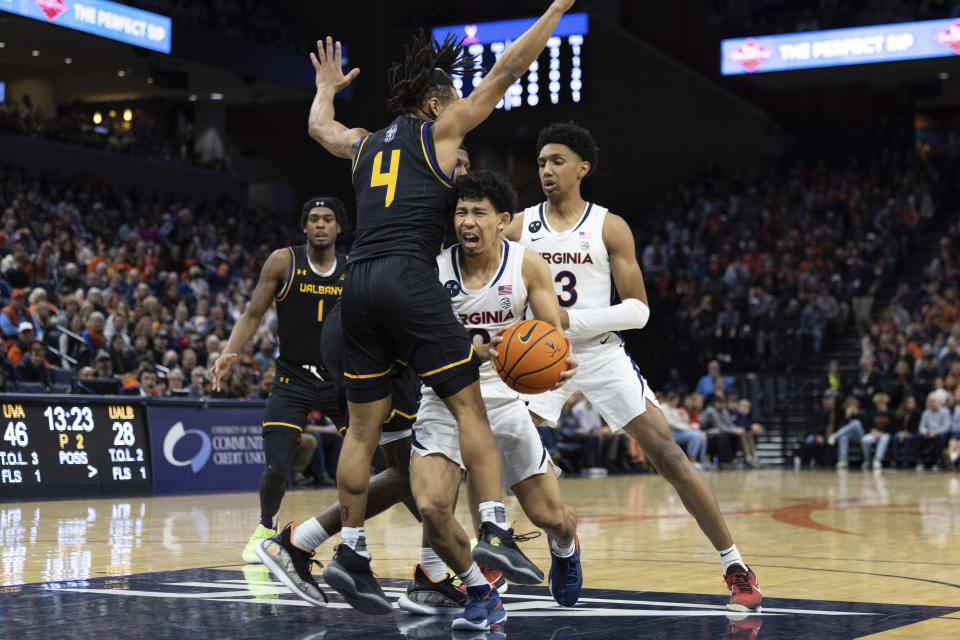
629, 314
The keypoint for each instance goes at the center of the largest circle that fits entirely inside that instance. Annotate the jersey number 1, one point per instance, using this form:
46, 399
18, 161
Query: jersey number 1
388, 179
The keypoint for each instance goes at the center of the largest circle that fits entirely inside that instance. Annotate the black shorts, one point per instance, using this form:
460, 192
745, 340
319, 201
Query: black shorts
404, 383
396, 311
297, 392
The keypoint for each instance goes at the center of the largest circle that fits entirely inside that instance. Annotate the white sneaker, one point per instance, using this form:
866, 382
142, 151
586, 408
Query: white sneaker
919, 467
832, 440
877, 465
841, 465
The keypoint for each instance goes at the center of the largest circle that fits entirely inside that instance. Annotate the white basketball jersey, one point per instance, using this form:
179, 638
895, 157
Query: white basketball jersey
578, 261
498, 304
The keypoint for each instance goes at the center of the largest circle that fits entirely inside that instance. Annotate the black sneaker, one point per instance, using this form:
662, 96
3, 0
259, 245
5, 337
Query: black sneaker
424, 597
497, 549
349, 575
291, 565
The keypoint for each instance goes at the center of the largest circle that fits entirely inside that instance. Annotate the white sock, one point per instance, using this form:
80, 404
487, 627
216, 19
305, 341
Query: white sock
730, 557
954, 456
494, 512
354, 538
309, 535
435, 568
563, 551
473, 577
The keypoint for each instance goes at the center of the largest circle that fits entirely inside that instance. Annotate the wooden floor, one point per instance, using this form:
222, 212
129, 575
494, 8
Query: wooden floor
882, 538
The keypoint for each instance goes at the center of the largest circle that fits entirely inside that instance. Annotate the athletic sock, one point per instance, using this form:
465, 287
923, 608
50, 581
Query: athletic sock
266, 521
433, 566
954, 456
309, 535
563, 551
495, 512
730, 557
473, 577
355, 538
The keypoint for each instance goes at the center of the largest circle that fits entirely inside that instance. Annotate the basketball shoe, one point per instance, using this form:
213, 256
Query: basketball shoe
424, 597
744, 627
566, 576
495, 578
744, 591
349, 575
249, 554
482, 610
497, 549
291, 565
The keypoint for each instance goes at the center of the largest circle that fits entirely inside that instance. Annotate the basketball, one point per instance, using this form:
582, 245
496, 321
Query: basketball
532, 356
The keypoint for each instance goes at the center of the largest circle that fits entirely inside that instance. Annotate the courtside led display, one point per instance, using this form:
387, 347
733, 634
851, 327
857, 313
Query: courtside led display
838, 47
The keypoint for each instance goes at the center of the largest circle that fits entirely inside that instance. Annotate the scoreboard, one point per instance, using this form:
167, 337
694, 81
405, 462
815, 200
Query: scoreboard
555, 77
63, 447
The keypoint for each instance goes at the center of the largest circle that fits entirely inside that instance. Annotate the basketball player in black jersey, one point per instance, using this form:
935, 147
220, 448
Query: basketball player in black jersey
395, 309
306, 283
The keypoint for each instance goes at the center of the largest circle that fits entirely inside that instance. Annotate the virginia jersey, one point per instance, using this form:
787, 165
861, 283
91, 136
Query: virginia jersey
578, 261
497, 305
401, 192
303, 303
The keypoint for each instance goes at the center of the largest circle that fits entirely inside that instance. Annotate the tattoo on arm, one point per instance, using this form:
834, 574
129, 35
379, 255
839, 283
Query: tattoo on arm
344, 514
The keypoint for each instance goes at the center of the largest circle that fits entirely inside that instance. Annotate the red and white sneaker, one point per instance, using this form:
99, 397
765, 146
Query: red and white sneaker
495, 578
743, 628
744, 592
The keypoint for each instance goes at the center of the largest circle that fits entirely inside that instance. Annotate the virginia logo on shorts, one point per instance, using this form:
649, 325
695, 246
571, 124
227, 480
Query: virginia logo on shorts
534, 226
452, 287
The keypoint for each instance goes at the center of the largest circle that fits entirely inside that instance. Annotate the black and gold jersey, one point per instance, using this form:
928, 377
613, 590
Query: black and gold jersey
402, 194
303, 303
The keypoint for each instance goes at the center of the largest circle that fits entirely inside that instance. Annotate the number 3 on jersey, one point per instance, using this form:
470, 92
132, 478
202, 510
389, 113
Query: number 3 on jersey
388, 179
568, 287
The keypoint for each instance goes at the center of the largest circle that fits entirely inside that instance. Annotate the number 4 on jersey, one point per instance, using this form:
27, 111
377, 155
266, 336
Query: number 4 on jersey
388, 179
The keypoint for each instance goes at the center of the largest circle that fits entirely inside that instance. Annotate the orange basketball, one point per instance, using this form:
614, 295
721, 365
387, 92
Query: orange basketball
532, 356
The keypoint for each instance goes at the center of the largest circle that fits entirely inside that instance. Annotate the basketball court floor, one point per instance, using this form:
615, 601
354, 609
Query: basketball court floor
838, 555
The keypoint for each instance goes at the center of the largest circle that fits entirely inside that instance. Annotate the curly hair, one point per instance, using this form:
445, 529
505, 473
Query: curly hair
477, 185
572, 135
424, 72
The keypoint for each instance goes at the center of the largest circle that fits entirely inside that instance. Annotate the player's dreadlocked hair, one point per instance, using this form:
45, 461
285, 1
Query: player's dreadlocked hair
481, 184
571, 134
424, 71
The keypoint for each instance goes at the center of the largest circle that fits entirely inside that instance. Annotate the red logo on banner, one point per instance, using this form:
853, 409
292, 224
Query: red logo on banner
51, 8
750, 55
950, 37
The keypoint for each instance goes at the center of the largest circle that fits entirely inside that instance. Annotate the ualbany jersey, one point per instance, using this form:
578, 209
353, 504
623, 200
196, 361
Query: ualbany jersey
497, 305
578, 261
303, 303
401, 193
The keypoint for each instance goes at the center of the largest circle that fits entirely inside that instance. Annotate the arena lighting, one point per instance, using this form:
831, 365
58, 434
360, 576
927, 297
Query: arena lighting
192, 97
943, 75
68, 60
127, 115
102, 18
97, 118
35, 53
121, 73
3, 45
216, 96
112, 113
840, 47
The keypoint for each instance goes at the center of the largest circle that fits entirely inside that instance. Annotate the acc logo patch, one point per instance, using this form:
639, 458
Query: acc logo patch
534, 226
505, 303
452, 287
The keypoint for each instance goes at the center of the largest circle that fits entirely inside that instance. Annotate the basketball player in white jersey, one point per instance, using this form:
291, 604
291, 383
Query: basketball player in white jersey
585, 246
491, 284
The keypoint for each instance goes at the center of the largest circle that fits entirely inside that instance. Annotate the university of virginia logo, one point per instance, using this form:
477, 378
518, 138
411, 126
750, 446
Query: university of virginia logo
750, 55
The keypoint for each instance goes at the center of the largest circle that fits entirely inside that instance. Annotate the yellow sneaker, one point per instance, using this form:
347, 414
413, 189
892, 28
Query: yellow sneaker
249, 555
260, 583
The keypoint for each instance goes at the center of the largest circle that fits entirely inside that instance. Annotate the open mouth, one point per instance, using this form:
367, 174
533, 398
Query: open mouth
549, 185
470, 240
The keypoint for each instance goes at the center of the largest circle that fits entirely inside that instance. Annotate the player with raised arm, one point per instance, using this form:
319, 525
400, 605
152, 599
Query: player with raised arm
305, 282
491, 282
585, 245
394, 309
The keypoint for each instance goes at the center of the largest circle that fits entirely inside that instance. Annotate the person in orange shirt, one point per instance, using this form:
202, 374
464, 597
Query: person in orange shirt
100, 257
22, 344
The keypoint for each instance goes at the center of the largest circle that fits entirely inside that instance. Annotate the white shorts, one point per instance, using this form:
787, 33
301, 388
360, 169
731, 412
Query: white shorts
610, 380
522, 453
386, 437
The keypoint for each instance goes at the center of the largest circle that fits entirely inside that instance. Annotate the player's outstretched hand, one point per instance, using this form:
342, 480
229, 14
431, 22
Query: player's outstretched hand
563, 5
326, 63
219, 368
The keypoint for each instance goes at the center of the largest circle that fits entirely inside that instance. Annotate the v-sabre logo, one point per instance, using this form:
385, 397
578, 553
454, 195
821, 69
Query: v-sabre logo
176, 433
